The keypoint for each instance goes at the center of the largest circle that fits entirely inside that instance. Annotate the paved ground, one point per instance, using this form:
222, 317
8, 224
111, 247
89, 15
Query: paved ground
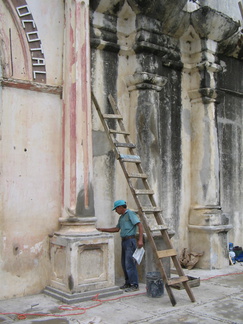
219, 299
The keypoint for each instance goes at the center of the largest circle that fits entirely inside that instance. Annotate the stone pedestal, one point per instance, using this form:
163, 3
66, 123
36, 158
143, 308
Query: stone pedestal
82, 262
208, 229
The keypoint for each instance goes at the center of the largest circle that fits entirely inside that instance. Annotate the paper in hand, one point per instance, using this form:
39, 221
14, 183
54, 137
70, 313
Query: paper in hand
138, 254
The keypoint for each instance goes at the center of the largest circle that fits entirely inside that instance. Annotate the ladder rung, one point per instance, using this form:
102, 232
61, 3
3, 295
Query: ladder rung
166, 253
128, 145
151, 209
144, 192
130, 158
154, 228
112, 116
137, 175
115, 131
176, 280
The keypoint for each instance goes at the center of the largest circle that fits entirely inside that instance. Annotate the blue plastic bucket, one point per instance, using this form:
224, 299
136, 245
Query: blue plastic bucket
155, 285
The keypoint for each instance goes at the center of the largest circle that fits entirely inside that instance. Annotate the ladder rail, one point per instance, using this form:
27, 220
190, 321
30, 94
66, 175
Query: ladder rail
121, 124
120, 121
107, 130
137, 193
146, 185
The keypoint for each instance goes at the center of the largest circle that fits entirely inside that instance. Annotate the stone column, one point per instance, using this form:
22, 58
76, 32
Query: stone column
144, 91
204, 142
77, 128
82, 258
208, 226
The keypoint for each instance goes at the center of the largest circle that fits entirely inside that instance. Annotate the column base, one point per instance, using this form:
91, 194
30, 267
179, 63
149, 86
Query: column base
208, 231
68, 298
82, 260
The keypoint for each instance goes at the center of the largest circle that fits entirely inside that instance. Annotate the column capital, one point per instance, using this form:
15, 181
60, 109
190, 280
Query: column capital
206, 95
146, 81
209, 66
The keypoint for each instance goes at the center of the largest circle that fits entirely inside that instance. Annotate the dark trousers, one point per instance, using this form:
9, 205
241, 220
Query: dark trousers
128, 263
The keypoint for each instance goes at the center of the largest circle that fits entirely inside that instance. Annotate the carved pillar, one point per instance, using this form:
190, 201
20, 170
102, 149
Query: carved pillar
204, 141
145, 87
155, 52
82, 258
208, 226
144, 91
77, 128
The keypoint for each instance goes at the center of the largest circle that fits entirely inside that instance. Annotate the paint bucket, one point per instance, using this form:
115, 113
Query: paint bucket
155, 286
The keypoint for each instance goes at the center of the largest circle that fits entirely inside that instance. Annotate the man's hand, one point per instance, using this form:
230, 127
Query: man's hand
140, 239
140, 243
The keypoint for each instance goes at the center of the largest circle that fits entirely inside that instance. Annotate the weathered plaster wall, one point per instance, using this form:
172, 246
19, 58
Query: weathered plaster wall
30, 189
105, 81
31, 147
104, 76
230, 121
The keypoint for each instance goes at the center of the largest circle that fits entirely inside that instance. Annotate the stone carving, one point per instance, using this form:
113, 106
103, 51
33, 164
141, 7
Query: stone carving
144, 80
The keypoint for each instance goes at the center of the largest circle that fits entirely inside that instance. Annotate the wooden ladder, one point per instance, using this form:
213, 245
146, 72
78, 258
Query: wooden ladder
150, 214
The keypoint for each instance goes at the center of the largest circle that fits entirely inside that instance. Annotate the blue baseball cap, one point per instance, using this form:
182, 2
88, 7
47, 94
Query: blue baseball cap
118, 203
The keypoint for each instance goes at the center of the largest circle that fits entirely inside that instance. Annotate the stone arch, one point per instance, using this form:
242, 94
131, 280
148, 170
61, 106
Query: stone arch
23, 41
32, 53
5, 62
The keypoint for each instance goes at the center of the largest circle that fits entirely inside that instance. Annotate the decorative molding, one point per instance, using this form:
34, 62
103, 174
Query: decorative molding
26, 25
209, 66
150, 39
233, 46
210, 229
169, 57
145, 80
30, 85
205, 95
103, 33
104, 45
170, 13
212, 24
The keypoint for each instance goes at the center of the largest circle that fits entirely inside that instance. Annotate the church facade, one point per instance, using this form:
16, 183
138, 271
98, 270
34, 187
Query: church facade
175, 70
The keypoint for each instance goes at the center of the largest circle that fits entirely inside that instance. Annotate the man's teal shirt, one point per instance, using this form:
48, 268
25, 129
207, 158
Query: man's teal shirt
127, 223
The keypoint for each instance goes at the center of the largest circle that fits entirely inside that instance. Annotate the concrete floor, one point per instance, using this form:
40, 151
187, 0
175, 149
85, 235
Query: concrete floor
219, 299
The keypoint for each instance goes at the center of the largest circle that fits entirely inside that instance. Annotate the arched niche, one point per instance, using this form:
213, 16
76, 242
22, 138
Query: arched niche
21, 52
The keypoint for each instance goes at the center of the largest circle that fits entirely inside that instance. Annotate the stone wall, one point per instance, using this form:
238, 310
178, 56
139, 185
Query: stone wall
167, 88
31, 141
229, 119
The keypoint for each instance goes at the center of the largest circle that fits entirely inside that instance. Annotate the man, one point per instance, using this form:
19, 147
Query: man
127, 224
